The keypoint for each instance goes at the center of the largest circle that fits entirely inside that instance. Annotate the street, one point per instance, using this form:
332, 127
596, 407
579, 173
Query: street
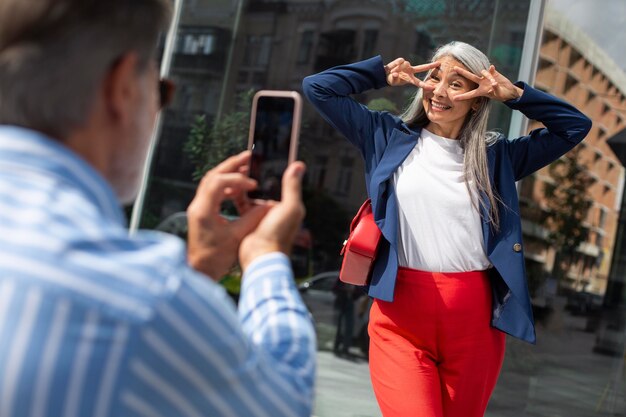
559, 377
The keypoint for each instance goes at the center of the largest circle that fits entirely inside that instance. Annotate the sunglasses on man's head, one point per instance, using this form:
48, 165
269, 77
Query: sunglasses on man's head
166, 91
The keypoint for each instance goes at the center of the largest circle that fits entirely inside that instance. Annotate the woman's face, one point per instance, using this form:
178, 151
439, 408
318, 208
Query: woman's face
447, 116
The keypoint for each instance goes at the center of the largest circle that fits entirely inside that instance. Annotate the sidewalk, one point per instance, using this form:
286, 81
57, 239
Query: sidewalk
559, 377
344, 388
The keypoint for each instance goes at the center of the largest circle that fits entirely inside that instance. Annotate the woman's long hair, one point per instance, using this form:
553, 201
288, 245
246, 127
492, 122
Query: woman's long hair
474, 137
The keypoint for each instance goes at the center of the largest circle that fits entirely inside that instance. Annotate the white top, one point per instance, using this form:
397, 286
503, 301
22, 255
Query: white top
440, 228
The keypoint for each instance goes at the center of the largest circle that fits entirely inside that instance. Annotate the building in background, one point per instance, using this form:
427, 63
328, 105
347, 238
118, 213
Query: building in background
611, 323
225, 49
573, 67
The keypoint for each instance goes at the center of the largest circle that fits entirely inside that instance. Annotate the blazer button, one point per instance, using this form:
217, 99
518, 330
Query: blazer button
517, 247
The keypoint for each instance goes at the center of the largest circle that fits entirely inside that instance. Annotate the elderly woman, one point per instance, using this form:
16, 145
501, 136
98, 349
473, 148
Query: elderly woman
449, 279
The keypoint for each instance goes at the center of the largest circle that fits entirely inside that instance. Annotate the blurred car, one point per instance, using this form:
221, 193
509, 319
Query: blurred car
583, 302
317, 293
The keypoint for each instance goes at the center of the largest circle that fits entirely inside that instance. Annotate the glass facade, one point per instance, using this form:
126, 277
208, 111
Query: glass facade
225, 50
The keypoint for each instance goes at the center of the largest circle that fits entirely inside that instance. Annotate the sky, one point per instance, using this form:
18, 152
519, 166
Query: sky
604, 21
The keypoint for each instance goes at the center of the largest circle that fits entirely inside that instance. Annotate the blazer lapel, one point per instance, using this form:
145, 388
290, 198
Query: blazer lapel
486, 207
400, 144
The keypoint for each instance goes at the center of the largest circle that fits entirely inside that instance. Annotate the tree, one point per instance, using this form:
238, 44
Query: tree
206, 147
382, 104
568, 205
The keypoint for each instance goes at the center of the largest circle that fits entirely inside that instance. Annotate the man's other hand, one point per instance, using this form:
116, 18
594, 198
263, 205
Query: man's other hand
213, 241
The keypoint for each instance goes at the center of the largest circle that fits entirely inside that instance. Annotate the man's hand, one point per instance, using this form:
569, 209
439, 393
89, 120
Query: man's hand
277, 230
213, 241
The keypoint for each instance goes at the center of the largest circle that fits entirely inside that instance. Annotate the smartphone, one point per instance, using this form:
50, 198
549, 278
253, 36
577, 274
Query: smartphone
273, 139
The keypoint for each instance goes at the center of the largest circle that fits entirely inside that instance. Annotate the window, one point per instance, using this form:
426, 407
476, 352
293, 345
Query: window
544, 63
424, 46
514, 53
597, 155
570, 82
197, 44
258, 50
306, 47
335, 48
549, 37
602, 218
317, 177
574, 57
185, 95
344, 179
369, 43
610, 165
594, 72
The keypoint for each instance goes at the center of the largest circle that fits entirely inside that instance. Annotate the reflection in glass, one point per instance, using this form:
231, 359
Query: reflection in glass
226, 50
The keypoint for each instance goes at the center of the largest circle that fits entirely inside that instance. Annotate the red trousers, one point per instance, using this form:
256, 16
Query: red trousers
433, 352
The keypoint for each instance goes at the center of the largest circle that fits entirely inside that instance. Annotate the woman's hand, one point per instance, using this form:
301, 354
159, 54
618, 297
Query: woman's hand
491, 84
401, 72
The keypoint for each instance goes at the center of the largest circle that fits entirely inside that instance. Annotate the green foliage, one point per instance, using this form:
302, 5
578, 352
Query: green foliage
382, 104
568, 205
206, 147
232, 281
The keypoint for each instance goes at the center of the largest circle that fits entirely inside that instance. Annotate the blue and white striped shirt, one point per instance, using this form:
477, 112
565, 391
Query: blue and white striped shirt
95, 323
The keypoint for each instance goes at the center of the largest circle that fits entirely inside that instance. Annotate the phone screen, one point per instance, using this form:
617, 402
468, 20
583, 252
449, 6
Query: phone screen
271, 145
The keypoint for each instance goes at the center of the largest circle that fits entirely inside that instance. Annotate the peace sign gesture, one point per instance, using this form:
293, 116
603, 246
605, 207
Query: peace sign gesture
401, 72
491, 84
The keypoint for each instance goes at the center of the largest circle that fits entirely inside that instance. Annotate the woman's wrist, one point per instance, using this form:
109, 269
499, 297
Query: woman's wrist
387, 72
518, 92
512, 94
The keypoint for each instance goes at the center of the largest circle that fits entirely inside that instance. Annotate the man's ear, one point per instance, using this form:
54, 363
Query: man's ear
121, 88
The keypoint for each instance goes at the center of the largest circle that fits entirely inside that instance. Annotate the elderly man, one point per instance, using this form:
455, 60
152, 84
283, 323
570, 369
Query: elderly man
92, 321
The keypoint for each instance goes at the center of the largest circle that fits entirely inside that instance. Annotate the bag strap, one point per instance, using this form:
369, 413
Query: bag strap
364, 210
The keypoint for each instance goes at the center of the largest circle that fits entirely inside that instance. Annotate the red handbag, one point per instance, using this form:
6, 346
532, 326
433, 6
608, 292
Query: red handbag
359, 250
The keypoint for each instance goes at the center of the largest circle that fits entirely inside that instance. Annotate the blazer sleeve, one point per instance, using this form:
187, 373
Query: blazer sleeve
565, 127
330, 90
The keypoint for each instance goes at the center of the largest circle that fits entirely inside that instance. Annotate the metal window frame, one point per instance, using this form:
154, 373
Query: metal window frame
166, 64
529, 60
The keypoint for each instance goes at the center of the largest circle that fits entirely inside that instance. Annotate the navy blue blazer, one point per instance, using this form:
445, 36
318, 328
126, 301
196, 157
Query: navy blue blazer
385, 141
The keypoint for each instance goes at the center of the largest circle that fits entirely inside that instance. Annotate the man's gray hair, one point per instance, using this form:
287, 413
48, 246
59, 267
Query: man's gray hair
55, 53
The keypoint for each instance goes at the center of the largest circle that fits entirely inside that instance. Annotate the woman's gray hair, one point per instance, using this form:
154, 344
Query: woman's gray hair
55, 53
473, 136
